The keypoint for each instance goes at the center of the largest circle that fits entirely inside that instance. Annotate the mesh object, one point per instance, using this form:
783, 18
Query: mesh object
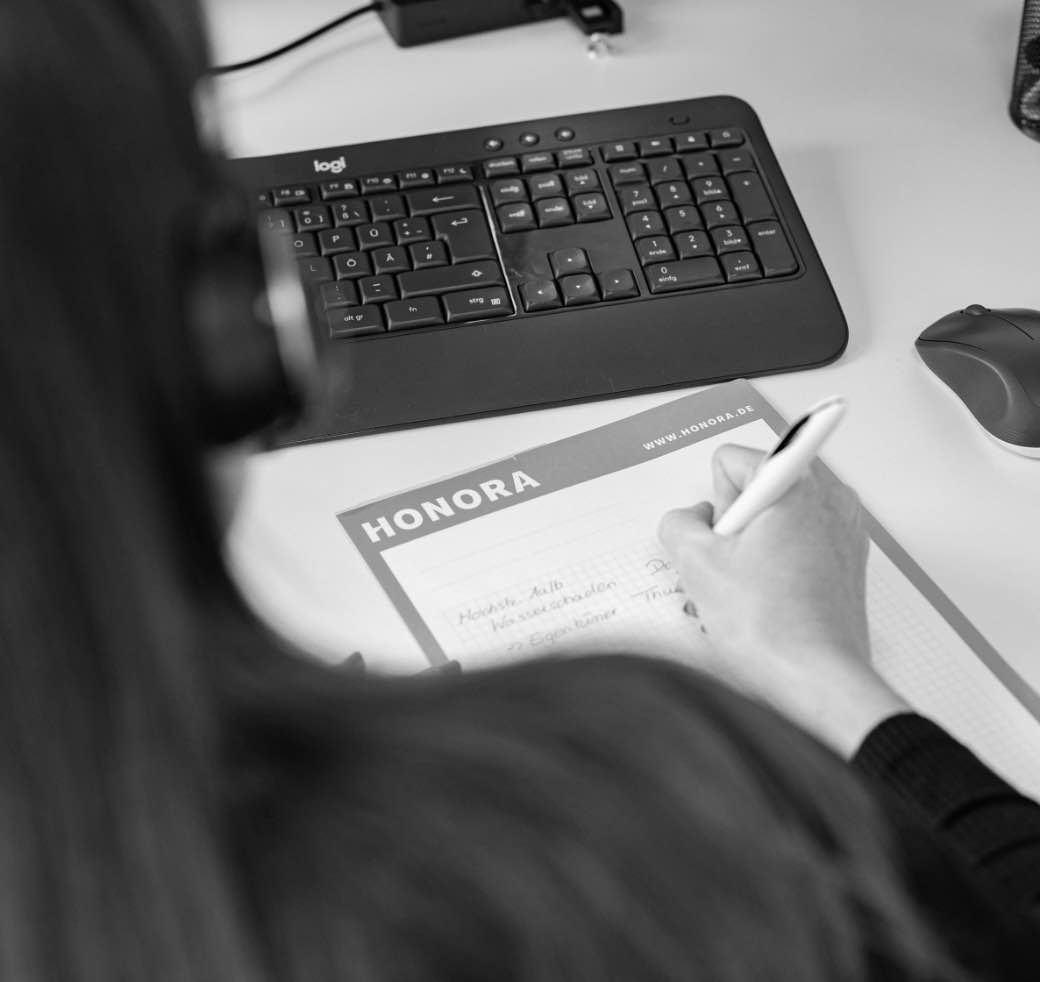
1025, 94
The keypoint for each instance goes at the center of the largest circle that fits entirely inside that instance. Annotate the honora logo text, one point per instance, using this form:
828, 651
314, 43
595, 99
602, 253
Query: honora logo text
336, 166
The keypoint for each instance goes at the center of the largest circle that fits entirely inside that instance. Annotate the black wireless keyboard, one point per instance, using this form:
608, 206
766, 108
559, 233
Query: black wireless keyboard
532, 264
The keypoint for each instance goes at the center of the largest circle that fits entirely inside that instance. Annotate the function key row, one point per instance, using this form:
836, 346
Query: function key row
299, 194
379, 208
531, 163
660, 146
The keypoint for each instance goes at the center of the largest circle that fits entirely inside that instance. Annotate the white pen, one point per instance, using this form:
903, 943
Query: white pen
784, 464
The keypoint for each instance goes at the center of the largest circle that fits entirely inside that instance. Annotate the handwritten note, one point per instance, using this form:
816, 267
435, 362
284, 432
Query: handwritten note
555, 552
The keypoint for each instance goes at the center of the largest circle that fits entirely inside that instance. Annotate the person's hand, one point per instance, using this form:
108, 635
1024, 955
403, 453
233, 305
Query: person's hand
784, 601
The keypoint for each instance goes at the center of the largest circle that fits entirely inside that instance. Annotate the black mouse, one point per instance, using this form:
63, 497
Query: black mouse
991, 360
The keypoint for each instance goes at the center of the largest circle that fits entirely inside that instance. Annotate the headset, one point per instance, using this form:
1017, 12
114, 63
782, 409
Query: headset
242, 299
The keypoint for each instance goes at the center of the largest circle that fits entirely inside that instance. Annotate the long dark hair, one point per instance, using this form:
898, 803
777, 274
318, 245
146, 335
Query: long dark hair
185, 799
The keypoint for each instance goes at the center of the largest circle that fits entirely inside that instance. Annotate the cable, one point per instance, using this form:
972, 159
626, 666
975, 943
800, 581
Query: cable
260, 59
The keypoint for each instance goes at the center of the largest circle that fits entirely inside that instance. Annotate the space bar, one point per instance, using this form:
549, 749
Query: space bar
447, 279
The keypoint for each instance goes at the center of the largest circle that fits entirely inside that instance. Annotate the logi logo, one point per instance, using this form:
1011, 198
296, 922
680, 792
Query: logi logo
336, 166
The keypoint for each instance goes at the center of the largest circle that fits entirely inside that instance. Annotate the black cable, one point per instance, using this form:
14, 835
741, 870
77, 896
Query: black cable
260, 59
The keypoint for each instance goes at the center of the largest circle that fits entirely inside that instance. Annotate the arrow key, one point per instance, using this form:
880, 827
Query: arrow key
466, 235
539, 295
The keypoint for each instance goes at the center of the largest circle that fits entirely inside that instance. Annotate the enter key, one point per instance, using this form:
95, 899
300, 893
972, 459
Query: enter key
466, 235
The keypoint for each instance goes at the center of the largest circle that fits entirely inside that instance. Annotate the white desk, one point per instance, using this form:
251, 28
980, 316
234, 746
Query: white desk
890, 123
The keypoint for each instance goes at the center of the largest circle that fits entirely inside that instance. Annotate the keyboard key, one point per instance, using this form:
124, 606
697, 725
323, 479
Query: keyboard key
565, 261
428, 254
691, 141
531, 162
730, 238
275, 220
740, 266
333, 190
412, 230
477, 304
435, 200
336, 240
553, 211
304, 245
501, 167
656, 249
539, 295
315, 270
421, 312
349, 322
508, 189
454, 174
644, 223
291, 196
574, 157
378, 183
720, 213
415, 178
661, 171
350, 213
351, 265
726, 138
707, 189
750, 195
627, 174
683, 275
655, 147
342, 293
700, 165
581, 180
377, 289
639, 197
445, 279
618, 151
578, 289
772, 248
683, 219
545, 186
516, 218
591, 208
690, 245
375, 236
732, 161
387, 207
392, 260
673, 194
618, 284
466, 235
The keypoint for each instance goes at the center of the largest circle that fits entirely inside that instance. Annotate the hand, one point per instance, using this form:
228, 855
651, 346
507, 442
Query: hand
784, 601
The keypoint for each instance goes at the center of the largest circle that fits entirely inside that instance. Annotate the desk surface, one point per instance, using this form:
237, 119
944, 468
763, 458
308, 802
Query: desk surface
892, 130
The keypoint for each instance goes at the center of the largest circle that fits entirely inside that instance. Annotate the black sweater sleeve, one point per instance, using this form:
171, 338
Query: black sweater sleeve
996, 829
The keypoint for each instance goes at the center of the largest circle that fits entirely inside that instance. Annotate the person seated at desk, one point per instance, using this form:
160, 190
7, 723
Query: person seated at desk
185, 797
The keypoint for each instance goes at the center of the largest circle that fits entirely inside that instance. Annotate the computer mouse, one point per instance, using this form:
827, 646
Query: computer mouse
991, 360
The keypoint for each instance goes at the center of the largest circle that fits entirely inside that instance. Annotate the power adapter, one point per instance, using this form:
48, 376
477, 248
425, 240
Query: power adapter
412, 22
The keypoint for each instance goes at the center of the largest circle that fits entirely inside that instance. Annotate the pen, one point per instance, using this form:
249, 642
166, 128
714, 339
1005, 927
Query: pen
784, 464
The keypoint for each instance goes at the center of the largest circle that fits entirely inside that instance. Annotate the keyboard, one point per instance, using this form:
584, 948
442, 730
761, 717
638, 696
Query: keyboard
530, 264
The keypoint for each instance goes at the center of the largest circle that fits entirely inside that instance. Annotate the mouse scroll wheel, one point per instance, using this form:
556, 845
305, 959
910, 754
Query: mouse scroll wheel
976, 309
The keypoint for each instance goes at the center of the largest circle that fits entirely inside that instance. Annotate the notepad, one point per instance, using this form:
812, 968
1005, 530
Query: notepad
554, 551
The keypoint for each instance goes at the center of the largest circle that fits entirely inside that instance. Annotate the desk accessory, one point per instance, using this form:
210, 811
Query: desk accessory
1025, 93
550, 261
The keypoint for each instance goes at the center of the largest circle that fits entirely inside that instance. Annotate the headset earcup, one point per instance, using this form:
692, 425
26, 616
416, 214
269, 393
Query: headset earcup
243, 385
